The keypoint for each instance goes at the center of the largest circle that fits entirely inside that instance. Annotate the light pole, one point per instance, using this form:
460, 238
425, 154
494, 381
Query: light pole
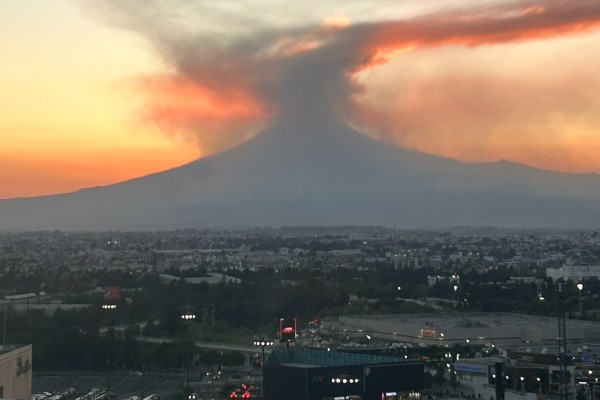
580, 287
591, 384
263, 344
189, 317
110, 307
523, 384
539, 381
454, 295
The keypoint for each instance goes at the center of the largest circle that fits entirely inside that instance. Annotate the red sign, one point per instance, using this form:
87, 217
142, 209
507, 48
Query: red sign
287, 330
112, 293
429, 333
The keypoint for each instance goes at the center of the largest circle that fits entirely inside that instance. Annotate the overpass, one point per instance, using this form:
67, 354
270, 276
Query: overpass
246, 349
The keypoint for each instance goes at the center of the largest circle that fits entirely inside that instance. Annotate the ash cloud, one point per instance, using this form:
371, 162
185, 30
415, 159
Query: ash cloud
234, 66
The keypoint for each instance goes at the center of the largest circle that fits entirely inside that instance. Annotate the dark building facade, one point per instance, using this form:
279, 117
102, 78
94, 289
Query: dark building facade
308, 374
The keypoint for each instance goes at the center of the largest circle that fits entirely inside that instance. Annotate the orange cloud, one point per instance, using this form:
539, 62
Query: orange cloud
336, 21
290, 46
214, 117
487, 113
180, 100
542, 120
475, 28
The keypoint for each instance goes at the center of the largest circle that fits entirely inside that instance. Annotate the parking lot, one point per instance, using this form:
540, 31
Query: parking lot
122, 385
127, 384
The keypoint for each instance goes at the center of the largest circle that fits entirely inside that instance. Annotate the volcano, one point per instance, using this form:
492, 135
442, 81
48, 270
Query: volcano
319, 171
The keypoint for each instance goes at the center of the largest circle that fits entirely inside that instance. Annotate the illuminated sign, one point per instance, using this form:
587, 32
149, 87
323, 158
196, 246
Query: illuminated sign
287, 329
428, 333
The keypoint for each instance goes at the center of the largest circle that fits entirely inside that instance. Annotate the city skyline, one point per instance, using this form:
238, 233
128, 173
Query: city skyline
99, 93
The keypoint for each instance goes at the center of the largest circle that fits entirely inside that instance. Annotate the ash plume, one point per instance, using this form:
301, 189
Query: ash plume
234, 67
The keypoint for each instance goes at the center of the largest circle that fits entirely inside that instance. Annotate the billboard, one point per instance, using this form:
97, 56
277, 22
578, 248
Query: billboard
428, 333
287, 329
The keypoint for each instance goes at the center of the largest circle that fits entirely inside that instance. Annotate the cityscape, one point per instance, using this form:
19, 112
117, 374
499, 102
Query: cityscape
315, 200
198, 312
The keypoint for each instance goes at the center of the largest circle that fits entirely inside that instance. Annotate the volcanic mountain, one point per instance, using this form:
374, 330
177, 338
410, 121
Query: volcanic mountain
319, 171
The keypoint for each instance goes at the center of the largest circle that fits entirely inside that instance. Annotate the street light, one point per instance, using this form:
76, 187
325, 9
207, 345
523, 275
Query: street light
454, 295
580, 287
110, 307
539, 380
189, 317
591, 384
263, 344
523, 384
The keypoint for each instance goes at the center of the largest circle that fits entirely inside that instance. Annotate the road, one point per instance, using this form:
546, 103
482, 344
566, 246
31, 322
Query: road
250, 349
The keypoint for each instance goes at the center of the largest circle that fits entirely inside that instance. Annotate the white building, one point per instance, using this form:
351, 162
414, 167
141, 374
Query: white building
575, 273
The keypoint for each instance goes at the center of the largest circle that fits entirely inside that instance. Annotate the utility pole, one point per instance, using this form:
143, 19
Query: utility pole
562, 344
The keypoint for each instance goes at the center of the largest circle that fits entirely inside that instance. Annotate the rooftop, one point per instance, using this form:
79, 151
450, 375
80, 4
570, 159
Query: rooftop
7, 348
323, 358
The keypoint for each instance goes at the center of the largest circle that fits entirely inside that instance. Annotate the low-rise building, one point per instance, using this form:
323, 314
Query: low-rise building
15, 371
575, 273
300, 373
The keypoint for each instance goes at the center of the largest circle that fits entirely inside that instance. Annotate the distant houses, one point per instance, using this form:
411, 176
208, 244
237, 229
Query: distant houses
212, 278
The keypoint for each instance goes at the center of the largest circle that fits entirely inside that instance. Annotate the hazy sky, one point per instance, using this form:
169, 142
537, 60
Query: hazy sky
99, 91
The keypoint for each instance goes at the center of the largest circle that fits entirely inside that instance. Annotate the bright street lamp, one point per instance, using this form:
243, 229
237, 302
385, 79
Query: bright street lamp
110, 307
580, 287
454, 295
591, 384
263, 343
190, 318
523, 384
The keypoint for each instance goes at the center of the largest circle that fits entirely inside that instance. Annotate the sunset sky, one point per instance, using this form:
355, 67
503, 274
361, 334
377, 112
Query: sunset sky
100, 91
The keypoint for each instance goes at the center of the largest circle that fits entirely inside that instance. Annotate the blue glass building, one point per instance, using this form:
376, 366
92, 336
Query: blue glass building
309, 374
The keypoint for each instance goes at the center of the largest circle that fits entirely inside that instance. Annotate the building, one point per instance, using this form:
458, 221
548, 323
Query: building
15, 371
309, 374
530, 372
576, 273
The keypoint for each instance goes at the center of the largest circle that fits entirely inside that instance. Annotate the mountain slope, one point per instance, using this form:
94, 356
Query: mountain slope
319, 171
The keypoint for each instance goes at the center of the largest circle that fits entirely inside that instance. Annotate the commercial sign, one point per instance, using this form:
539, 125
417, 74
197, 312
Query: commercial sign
287, 329
428, 333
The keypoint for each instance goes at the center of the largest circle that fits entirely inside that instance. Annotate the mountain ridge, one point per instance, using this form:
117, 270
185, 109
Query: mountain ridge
319, 171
